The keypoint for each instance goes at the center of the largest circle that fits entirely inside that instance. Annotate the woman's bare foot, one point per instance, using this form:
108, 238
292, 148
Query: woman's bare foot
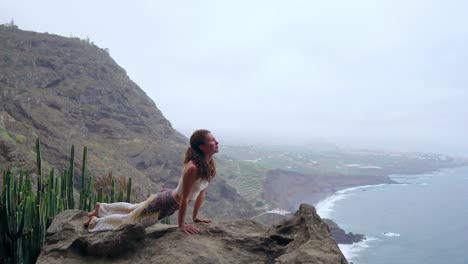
90, 223
95, 212
86, 223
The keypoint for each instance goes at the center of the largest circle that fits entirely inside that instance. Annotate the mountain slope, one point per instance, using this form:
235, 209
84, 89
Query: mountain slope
68, 91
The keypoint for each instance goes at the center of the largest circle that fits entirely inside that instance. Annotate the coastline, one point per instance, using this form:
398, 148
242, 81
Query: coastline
326, 206
288, 189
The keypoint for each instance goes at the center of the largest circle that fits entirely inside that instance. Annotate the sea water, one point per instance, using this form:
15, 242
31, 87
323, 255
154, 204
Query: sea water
421, 220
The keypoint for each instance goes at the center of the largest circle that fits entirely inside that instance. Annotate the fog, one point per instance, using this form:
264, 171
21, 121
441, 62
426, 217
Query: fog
368, 74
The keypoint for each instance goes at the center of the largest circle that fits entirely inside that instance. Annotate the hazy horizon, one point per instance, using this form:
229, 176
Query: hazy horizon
383, 75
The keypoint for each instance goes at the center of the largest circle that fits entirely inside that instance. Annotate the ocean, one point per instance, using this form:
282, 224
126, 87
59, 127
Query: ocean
421, 220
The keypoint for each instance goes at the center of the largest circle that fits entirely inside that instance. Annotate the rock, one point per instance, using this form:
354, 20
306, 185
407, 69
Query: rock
269, 219
67, 231
340, 236
301, 238
310, 239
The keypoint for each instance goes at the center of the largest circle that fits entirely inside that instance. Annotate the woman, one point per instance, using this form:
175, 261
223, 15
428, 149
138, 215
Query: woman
199, 170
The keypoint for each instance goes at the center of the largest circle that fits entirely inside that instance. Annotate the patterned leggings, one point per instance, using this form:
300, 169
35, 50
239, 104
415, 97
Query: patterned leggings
114, 215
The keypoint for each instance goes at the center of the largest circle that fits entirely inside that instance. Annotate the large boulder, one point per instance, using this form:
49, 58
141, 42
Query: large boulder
301, 238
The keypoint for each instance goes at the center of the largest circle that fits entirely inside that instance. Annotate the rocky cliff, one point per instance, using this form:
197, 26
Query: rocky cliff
301, 238
68, 91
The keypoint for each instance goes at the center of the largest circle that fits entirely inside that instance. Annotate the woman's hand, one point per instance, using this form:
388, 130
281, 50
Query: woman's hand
189, 229
201, 220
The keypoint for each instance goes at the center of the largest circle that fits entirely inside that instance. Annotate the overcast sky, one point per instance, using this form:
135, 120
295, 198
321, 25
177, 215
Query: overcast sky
386, 74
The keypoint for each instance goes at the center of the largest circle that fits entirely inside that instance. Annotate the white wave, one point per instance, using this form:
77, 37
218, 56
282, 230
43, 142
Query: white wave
390, 234
370, 167
424, 184
325, 207
347, 190
351, 251
279, 211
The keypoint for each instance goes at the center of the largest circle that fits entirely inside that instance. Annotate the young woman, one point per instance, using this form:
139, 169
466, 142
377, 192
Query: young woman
199, 170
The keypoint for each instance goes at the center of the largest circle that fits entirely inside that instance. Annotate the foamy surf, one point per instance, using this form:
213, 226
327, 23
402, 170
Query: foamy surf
351, 251
390, 234
279, 211
325, 207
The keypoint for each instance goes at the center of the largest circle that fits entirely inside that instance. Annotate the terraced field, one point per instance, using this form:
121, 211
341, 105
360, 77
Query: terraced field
247, 177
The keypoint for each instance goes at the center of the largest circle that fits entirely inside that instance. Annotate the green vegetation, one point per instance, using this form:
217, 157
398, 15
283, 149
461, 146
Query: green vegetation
19, 138
25, 214
4, 133
247, 177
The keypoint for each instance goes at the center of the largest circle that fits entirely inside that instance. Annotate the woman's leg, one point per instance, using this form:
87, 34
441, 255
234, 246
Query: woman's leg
104, 209
164, 205
148, 213
114, 221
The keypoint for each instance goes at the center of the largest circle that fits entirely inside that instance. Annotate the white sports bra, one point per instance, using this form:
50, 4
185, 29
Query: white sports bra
198, 186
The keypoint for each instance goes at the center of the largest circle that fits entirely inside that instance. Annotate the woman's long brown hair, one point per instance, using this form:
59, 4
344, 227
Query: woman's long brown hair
206, 170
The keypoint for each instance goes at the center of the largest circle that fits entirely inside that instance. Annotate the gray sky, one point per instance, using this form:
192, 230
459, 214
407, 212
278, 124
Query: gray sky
383, 74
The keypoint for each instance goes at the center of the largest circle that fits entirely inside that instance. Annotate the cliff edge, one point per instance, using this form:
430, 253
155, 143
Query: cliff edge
301, 238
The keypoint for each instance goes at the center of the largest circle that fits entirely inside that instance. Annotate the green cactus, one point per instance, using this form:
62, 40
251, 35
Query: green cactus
71, 175
112, 196
82, 197
166, 220
39, 164
120, 199
99, 195
25, 215
83, 170
129, 189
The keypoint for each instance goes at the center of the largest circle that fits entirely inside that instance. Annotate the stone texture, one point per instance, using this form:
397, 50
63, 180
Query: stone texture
301, 238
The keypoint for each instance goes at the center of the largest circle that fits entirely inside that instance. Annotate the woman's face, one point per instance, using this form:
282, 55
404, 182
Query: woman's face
210, 146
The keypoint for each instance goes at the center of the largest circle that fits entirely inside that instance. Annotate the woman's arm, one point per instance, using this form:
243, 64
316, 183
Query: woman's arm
190, 176
196, 207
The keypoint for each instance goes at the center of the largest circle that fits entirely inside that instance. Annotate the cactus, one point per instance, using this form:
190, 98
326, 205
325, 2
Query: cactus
112, 196
166, 220
71, 175
83, 169
25, 214
39, 164
129, 189
82, 196
120, 199
99, 195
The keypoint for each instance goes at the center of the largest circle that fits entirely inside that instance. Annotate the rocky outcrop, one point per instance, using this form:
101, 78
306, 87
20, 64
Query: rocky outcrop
301, 238
68, 91
340, 236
